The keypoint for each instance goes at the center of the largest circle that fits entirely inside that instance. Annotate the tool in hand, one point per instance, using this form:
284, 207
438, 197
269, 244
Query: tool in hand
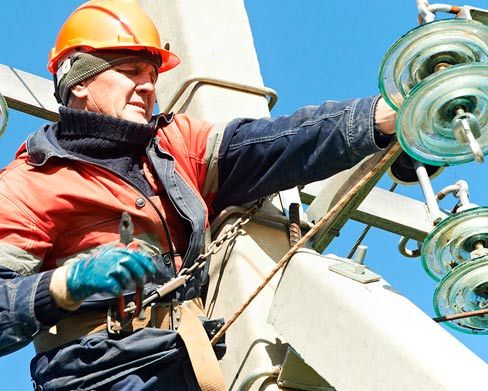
126, 231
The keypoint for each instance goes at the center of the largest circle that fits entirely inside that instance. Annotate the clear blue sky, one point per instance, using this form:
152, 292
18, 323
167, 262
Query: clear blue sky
309, 51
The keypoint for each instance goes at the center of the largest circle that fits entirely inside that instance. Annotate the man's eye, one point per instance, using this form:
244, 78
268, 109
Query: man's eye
128, 72
134, 72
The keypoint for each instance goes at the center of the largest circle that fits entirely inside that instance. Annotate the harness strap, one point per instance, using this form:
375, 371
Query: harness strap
189, 327
202, 356
90, 322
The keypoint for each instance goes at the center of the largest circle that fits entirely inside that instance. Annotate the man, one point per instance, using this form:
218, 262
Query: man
61, 260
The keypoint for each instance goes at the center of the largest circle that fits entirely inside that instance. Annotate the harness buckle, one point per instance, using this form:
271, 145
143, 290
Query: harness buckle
175, 317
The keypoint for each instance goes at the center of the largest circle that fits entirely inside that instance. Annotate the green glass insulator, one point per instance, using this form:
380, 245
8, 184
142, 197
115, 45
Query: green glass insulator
3, 115
428, 49
426, 123
453, 241
464, 289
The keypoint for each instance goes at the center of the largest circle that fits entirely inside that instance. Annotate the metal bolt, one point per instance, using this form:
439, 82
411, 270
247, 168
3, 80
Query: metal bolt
358, 260
360, 255
479, 245
441, 66
140, 202
295, 234
167, 259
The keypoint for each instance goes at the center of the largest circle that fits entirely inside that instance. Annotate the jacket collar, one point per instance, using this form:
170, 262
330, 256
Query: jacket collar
43, 144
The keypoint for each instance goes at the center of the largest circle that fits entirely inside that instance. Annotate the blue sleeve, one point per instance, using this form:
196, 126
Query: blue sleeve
263, 156
18, 323
18, 320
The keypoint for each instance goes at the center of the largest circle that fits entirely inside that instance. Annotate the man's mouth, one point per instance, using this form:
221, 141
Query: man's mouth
139, 105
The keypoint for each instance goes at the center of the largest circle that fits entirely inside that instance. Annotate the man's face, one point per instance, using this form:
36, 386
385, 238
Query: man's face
125, 91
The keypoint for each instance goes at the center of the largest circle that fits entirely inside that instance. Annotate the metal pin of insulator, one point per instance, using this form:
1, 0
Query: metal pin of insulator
294, 226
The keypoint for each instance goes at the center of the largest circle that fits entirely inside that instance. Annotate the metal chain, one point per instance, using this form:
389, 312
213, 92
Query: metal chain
231, 233
214, 247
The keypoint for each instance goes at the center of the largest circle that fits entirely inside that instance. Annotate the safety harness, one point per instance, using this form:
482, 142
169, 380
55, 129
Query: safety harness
184, 318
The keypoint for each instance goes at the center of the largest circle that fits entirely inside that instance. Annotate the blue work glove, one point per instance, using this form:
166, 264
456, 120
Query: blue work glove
111, 270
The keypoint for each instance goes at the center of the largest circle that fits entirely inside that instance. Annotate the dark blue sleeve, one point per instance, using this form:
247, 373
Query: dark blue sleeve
18, 323
20, 302
263, 156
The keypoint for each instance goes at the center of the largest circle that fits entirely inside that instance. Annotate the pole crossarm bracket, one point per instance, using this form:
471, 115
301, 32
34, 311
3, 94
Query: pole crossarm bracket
323, 238
264, 91
28, 93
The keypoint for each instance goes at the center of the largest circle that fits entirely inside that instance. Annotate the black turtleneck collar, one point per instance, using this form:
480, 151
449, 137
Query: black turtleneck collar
113, 143
108, 131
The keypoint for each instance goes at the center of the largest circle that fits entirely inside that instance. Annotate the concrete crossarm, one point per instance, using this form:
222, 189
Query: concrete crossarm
366, 336
379, 208
28, 93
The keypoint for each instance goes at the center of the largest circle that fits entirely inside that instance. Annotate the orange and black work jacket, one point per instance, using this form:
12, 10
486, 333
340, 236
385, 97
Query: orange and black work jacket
55, 208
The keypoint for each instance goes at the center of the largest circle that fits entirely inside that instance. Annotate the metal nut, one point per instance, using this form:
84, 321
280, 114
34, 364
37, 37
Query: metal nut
167, 259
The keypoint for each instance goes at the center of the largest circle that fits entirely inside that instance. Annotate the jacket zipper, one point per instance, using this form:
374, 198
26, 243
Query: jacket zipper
153, 143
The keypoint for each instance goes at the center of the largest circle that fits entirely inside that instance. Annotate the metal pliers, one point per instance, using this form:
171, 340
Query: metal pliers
119, 319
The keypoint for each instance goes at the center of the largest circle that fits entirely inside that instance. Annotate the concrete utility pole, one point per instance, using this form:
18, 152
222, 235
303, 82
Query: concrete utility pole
214, 40
219, 77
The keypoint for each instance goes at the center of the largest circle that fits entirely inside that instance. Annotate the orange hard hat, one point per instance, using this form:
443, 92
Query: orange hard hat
109, 24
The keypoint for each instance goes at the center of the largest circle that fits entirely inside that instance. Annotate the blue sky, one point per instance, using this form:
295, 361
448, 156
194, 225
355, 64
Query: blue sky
309, 51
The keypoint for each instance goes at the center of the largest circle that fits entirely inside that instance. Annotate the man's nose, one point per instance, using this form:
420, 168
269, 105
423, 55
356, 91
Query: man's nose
145, 83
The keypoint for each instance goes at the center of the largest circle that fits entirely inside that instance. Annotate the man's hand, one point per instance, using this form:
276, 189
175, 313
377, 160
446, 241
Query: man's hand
111, 270
385, 117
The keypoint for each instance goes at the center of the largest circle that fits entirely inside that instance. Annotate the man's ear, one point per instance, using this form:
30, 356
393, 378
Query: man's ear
80, 90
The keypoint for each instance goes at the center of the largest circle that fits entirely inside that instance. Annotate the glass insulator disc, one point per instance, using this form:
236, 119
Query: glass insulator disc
425, 126
427, 49
464, 289
3, 115
451, 242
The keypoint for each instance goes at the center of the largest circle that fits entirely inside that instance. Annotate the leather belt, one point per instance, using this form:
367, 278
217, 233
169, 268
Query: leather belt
90, 322
182, 318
